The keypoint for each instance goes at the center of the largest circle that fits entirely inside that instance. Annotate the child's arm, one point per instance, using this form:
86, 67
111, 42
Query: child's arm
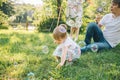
63, 57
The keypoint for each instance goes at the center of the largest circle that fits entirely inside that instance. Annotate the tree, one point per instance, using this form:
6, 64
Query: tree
7, 8
23, 12
1, 1
89, 10
3, 17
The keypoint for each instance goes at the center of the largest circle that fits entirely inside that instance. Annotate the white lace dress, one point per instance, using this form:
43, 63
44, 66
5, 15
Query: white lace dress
73, 49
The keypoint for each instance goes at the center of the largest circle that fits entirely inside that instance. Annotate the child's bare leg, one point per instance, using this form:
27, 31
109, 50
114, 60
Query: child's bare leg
70, 58
71, 32
69, 61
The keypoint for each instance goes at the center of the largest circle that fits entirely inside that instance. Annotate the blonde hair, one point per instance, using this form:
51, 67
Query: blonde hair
60, 32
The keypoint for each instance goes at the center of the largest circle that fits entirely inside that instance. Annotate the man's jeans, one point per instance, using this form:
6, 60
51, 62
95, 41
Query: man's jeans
93, 31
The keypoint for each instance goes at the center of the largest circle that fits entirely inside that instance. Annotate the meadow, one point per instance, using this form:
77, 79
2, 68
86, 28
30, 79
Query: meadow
22, 58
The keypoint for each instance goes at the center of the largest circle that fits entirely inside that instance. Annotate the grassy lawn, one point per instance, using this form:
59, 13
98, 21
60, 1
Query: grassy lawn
22, 57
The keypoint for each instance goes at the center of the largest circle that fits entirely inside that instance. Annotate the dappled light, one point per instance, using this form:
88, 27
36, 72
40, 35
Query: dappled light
27, 44
15, 39
31, 57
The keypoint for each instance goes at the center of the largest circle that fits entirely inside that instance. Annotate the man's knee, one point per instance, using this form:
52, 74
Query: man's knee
92, 25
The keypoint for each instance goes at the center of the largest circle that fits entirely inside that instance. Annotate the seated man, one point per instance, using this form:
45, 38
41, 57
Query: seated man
110, 36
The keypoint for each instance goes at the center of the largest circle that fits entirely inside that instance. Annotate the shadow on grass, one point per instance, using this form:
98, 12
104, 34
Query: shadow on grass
4, 41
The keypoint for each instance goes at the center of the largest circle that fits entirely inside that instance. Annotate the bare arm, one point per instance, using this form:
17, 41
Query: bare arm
63, 57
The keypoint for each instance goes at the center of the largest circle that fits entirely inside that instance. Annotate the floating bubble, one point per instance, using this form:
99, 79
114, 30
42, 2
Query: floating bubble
103, 3
51, 78
70, 22
31, 76
45, 49
15, 63
99, 9
94, 48
81, 43
78, 23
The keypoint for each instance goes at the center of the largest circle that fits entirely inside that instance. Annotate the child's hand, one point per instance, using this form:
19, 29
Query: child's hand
59, 66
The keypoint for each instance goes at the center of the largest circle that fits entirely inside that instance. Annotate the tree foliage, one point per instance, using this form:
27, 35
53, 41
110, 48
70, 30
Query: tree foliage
23, 13
1, 1
50, 12
7, 8
3, 17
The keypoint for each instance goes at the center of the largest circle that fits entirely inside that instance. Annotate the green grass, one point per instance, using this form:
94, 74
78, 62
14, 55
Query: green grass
21, 53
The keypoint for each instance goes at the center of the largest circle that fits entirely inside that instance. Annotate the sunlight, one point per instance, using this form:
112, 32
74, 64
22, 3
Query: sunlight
33, 2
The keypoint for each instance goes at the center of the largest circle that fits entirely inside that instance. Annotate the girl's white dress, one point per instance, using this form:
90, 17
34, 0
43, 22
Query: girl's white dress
74, 13
73, 49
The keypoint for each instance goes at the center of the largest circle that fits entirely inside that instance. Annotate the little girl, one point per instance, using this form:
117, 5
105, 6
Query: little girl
74, 17
67, 49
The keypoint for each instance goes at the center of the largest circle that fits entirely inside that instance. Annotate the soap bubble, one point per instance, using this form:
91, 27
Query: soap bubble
30, 76
51, 78
81, 43
45, 49
70, 22
99, 9
94, 47
15, 64
103, 3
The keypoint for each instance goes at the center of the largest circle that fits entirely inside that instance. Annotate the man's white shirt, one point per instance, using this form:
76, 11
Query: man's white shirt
111, 31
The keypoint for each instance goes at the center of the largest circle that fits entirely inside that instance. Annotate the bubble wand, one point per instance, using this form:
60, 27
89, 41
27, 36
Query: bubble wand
59, 16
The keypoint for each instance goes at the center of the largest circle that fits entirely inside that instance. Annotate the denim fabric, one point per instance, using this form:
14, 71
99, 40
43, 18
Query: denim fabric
95, 33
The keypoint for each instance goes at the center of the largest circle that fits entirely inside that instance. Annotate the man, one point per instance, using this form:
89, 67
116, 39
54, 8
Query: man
110, 37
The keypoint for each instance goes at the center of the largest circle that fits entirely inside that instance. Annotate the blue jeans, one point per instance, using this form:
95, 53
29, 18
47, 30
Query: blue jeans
93, 31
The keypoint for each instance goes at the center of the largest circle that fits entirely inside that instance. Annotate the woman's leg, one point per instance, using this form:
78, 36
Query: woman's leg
76, 34
71, 32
